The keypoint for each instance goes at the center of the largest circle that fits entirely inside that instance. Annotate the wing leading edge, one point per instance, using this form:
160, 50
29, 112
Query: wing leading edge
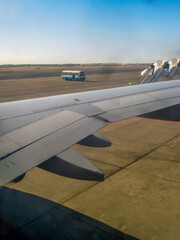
31, 145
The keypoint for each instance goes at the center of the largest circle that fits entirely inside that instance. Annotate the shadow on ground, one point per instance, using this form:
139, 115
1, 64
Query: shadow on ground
26, 216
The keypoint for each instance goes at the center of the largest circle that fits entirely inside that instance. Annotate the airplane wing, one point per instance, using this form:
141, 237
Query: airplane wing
37, 133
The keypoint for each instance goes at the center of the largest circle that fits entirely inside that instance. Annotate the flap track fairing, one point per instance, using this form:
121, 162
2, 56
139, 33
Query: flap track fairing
95, 140
72, 164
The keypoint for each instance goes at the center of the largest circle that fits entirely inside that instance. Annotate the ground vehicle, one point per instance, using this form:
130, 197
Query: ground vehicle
73, 75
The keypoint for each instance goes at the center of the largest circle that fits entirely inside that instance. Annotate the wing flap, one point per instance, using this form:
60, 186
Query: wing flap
123, 102
137, 104
35, 152
137, 110
165, 93
7, 146
39, 129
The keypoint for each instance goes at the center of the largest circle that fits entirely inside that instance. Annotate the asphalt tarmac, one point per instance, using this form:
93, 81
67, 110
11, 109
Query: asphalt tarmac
139, 198
39, 83
38, 72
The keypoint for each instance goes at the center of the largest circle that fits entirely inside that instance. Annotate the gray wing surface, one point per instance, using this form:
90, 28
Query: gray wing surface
29, 146
138, 104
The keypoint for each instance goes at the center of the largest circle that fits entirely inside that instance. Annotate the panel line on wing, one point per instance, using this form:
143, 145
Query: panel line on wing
37, 152
61, 108
36, 131
118, 114
134, 100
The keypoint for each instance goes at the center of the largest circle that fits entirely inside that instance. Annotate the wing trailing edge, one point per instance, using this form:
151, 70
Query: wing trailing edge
39, 141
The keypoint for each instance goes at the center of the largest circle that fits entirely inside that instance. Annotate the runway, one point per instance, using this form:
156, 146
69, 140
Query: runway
139, 198
38, 72
15, 87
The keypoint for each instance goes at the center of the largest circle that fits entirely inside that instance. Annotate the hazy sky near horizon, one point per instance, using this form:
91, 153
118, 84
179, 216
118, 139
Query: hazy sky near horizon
87, 31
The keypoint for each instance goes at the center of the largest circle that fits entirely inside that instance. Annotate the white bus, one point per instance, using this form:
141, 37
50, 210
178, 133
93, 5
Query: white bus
73, 75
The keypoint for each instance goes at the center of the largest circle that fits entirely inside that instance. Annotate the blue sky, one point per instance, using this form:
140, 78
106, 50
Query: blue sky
87, 31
